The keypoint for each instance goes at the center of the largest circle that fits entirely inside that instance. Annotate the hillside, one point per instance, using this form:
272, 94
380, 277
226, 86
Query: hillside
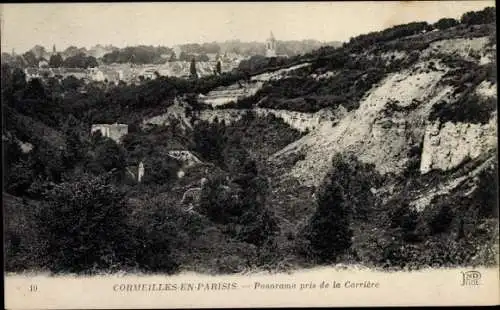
380, 152
405, 121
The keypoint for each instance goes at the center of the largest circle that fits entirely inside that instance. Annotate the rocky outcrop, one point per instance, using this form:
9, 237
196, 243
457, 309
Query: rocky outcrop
374, 133
298, 120
224, 95
176, 111
448, 145
392, 119
424, 199
188, 158
232, 93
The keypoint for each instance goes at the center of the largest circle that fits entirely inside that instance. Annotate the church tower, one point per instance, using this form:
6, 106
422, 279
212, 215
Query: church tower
53, 49
271, 46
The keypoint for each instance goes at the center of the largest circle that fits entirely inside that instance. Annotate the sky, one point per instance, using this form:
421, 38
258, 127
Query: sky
167, 24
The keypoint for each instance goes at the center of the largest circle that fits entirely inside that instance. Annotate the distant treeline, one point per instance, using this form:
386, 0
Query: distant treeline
143, 54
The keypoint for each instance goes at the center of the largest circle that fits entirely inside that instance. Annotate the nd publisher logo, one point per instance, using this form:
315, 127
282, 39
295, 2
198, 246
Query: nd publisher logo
471, 278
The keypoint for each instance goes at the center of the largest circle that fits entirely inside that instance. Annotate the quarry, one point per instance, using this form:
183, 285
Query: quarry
380, 152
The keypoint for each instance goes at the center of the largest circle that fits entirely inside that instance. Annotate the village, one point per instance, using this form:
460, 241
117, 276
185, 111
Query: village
132, 73
174, 65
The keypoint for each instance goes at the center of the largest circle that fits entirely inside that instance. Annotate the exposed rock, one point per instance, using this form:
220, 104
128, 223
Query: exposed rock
232, 93
445, 148
368, 132
188, 158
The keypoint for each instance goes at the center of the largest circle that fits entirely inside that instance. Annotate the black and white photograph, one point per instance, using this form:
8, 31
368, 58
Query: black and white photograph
224, 138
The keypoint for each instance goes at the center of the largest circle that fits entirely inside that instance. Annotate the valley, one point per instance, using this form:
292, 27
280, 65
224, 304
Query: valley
381, 153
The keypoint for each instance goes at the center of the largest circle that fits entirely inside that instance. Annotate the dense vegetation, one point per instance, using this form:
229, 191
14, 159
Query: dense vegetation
137, 55
469, 107
395, 234
136, 218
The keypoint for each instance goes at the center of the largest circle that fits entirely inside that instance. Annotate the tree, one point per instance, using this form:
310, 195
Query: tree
80, 61
34, 90
56, 61
192, 69
83, 225
357, 179
209, 140
91, 62
38, 51
76, 149
328, 230
485, 16
445, 23
161, 170
30, 59
71, 83
71, 51
107, 156
218, 68
13, 80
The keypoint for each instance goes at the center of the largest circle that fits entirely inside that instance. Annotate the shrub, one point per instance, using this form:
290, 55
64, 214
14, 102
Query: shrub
19, 178
442, 220
328, 230
405, 220
157, 236
83, 226
486, 193
107, 156
356, 179
161, 170
471, 108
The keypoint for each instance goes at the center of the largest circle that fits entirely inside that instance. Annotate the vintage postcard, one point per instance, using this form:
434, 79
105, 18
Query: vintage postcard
229, 155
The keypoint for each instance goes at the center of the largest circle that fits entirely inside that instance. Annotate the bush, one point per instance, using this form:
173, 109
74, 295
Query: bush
19, 178
83, 225
471, 108
157, 236
486, 194
161, 170
405, 220
328, 230
442, 220
357, 180
107, 156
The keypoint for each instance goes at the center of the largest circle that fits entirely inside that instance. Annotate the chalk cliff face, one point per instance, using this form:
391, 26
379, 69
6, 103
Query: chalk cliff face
376, 132
393, 119
447, 147
224, 95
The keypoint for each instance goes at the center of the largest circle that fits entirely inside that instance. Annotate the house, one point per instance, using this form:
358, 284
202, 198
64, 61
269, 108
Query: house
113, 131
43, 63
149, 73
111, 75
97, 75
